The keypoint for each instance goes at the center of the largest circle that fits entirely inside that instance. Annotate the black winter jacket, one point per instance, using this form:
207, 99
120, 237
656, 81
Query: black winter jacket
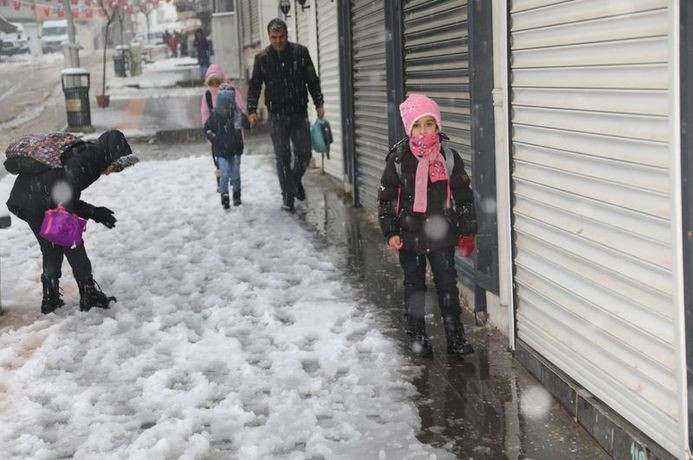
285, 77
440, 227
32, 194
226, 140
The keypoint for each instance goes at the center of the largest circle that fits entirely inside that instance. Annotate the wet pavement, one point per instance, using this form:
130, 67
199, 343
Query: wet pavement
485, 407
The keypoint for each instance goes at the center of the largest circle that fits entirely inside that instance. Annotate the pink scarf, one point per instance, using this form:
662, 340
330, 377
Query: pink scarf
426, 149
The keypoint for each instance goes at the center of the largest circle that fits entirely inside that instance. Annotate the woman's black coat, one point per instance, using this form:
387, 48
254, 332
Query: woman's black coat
439, 227
83, 163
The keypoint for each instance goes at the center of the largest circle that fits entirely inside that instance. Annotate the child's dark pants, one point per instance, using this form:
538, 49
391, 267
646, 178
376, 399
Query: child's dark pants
286, 130
53, 256
444, 276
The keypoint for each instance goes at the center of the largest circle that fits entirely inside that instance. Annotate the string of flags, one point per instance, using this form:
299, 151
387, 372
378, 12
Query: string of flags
81, 9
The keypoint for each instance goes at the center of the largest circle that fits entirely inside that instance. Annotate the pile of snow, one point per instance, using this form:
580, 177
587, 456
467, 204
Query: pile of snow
232, 336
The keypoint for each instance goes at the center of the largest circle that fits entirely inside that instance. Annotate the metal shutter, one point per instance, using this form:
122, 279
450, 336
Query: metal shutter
591, 108
370, 97
254, 22
244, 9
436, 63
302, 25
328, 59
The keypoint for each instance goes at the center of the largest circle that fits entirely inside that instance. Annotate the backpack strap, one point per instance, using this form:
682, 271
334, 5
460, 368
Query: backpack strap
208, 97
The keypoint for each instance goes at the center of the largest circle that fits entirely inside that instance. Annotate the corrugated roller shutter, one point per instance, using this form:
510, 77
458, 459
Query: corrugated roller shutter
436, 63
302, 25
244, 7
255, 22
370, 97
328, 57
591, 153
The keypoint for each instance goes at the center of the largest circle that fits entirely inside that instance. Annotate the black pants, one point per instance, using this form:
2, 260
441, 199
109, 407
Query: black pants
444, 276
53, 256
290, 130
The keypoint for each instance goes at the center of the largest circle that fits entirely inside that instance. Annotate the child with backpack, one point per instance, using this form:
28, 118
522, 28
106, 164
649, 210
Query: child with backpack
425, 210
53, 169
224, 129
214, 77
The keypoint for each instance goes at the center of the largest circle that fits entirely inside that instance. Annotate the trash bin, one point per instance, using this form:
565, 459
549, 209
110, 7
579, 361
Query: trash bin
121, 60
75, 83
119, 64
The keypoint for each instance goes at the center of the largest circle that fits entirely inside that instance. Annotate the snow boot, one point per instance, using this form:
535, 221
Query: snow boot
51, 295
454, 333
91, 296
419, 343
236, 198
225, 200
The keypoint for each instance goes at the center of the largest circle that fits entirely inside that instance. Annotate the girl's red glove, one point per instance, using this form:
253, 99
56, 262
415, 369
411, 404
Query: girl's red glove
466, 245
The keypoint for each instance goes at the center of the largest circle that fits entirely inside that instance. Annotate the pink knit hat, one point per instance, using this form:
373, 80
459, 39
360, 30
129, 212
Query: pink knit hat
417, 106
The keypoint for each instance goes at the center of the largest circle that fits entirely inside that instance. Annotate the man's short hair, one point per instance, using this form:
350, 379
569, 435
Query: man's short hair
275, 25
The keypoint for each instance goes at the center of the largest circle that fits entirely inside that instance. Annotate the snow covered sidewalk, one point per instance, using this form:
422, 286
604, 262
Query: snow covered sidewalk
232, 336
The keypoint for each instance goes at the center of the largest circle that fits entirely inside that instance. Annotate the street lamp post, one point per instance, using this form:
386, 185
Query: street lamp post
71, 49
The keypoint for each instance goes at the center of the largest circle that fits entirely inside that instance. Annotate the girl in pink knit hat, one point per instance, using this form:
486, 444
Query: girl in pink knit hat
426, 209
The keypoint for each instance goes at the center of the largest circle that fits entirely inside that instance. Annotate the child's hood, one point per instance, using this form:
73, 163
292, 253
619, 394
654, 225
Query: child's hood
215, 70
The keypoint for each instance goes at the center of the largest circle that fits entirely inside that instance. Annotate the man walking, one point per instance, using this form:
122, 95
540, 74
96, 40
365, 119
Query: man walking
286, 70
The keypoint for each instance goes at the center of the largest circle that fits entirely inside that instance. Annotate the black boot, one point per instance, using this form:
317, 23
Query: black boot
91, 296
288, 203
236, 198
419, 343
300, 191
454, 333
225, 200
51, 295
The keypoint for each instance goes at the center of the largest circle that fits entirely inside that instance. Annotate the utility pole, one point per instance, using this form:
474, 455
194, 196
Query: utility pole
72, 49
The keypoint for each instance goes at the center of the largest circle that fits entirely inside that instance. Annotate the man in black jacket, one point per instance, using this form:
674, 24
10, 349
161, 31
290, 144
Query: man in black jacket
286, 69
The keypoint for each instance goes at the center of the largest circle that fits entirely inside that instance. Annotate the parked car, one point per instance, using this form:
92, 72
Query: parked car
15, 42
53, 35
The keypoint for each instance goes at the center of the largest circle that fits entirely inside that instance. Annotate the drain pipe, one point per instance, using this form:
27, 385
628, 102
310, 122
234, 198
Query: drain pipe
503, 202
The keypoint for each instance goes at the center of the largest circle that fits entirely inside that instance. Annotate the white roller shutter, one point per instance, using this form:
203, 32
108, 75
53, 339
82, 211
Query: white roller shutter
328, 59
302, 25
592, 181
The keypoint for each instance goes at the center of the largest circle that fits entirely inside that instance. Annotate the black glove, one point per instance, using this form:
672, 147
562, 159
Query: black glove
104, 216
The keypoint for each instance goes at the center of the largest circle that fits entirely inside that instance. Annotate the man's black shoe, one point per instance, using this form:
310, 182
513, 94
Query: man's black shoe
288, 207
300, 191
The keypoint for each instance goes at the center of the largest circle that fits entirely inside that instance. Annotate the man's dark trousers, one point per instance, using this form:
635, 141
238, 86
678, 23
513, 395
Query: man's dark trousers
288, 130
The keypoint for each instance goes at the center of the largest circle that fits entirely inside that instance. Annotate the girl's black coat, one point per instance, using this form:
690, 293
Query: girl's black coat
439, 227
31, 194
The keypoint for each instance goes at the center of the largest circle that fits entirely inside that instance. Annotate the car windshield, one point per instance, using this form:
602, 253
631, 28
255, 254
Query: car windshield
55, 31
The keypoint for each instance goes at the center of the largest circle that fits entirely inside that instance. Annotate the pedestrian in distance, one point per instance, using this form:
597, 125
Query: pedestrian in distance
224, 129
40, 187
425, 210
173, 44
288, 74
202, 47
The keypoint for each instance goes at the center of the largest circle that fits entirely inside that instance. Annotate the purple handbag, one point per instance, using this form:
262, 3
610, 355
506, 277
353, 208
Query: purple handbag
62, 228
